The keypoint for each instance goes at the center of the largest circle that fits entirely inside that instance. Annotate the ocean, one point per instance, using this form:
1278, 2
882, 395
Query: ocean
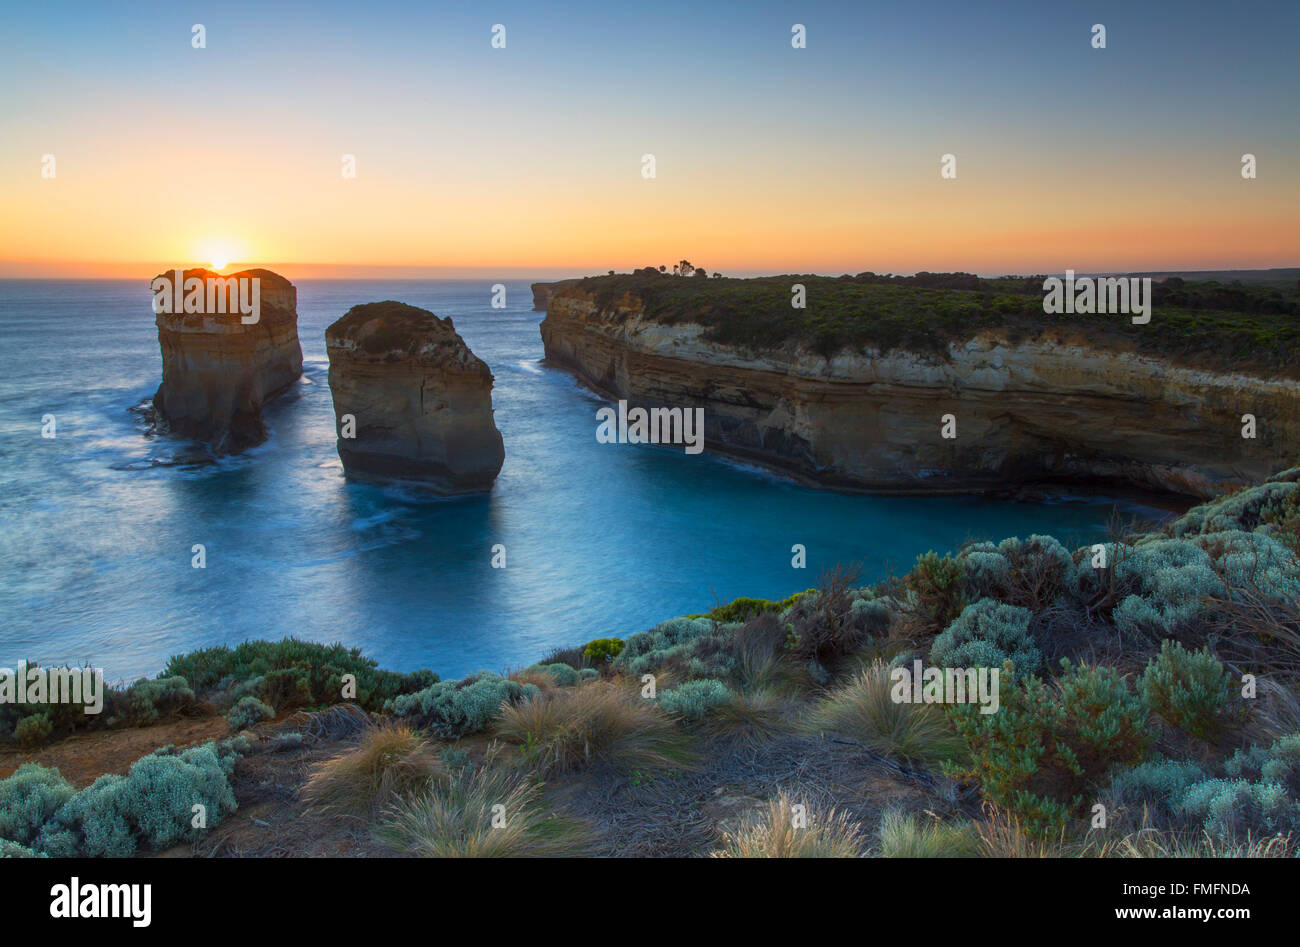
96, 531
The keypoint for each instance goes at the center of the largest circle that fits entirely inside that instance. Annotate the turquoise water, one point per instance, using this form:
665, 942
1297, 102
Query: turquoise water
600, 539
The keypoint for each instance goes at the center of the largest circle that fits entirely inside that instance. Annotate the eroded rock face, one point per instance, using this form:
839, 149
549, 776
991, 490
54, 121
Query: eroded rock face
419, 402
1049, 409
217, 370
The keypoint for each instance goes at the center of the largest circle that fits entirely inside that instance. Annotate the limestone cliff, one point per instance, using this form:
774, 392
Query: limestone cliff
542, 293
414, 398
1048, 408
217, 368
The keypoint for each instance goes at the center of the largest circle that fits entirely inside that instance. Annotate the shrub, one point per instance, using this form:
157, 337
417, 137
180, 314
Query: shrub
694, 699
148, 700
602, 650
456, 708
151, 806
33, 731
1243, 510
910, 836
1189, 689
988, 634
303, 668
10, 849
1031, 572
865, 710
779, 835
1233, 808
567, 729
28, 799
454, 819
823, 625
646, 651
1050, 744
743, 609
388, 761
247, 712
1158, 786
1167, 581
937, 583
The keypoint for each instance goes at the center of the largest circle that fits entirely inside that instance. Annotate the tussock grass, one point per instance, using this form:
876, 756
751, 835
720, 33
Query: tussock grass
925, 836
776, 835
751, 719
567, 728
389, 760
864, 710
480, 812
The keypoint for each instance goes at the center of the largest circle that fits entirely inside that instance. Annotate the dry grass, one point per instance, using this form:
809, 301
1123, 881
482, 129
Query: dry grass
925, 836
480, 812
1002, 836
389, 760
864, 710
570, 727
749, 719
781, 835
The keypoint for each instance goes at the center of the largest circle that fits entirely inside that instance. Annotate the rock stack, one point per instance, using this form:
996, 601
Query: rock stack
220, 364
412, 402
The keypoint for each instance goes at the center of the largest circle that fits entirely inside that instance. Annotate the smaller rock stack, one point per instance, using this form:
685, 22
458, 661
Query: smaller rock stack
412, 403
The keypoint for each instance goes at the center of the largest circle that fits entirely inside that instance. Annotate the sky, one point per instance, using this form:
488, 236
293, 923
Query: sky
528, 160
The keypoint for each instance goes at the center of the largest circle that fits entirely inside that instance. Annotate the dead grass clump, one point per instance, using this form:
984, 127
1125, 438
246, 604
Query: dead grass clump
791, 830
865, 710
389, 760
569, 727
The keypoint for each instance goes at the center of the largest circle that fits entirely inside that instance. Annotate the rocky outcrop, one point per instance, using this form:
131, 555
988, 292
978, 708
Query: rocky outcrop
1046, 409
221, 364
542, 293
412, 402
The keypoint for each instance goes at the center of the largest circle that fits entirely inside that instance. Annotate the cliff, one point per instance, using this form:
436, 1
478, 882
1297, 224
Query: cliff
1042, 406
542, 292
420, 401
217, 369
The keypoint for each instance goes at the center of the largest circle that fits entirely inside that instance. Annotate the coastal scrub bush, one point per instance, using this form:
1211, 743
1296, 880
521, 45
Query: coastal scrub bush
149, 700
1243, 510
779, 834
562, 674
912, 836
865, 710
314, 672
566, 729
10, 849
151, 806
1157, 785
822, 624
648, 650
1168, 581
456, 708
28, 799
33, 731
743, 609
1049, 744
247, 712
388, 761
1189, 689
602, 650
1030, 573
1234, 808
694, 699
454, 819
988, 634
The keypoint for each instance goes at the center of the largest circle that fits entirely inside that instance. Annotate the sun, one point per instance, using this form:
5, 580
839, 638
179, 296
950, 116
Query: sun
220, 264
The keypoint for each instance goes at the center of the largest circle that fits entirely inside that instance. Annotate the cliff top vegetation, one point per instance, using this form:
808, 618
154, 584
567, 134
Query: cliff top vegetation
1202, 324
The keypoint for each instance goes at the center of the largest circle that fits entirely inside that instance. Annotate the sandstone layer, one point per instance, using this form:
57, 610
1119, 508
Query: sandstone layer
1042, 410
419, 402
542, 293
217, 370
